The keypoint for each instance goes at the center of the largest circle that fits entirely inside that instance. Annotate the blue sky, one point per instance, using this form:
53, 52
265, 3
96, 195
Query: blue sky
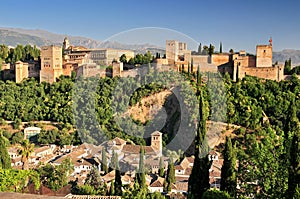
239, 24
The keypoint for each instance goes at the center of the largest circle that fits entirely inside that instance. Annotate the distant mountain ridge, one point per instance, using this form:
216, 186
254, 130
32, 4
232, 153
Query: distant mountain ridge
283, 55
15, 36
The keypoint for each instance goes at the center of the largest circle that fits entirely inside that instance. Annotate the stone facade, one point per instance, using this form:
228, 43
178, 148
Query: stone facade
51, 63
264, 55
238, 64
21, 71
105, 57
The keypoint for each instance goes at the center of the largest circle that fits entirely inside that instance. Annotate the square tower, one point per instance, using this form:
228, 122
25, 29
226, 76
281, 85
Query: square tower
156, 142
264, 55
51, 63
21, 71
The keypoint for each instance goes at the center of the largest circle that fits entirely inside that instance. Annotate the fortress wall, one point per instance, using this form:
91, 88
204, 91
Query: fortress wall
219, 59
273, 73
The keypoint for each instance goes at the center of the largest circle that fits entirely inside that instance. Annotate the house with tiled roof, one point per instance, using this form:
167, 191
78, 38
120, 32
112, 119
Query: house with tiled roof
185, 167
157, 185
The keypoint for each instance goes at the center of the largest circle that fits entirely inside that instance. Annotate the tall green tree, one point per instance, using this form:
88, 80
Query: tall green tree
113, 161
25, 151
221, 47
118, 180
161, 170
5, 162
211, 49
112, 188
94, 179
192, 65
141, 178
104, 161
200, 49
199, 178
198, 76
294, 168
170, 179
228, 171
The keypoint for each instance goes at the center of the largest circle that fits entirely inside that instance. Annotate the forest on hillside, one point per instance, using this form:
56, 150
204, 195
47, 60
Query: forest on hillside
267, 111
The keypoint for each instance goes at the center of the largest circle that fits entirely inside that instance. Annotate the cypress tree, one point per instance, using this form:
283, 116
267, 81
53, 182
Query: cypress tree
182, 68
141, 178
118, 180
170, 179
228, 171
5, 162
104, 162
112, 188
189, 69
294, 169
198, 76
200, 49
113, 161
290, 127
290, 62
192, 65
199, 178
161, 170
221, 47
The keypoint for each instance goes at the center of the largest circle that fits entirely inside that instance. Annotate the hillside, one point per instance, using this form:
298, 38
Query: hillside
148, 108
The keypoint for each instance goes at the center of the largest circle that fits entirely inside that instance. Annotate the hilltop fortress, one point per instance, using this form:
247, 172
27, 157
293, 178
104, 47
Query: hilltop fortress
238, 65
67, 59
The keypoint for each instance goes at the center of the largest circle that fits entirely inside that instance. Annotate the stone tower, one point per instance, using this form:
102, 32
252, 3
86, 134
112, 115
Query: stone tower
156, 142
21, 71
264, 55
51, 63
66, 43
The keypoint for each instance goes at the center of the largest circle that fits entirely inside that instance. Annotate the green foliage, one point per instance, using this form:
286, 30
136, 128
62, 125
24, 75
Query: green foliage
17, 180
295, 70
17, 138
144, 91
17, 123
123, 59
261, 165
55, 177
170, 179
221, 48
141, 178
19, 53
25, 151
138, 59
86, 189
228, 171
104, 166
161, 170
117, 181
5, 162
199, 179
93, 180
211, 49
288, 67
294, 167
137, 192
216, 194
